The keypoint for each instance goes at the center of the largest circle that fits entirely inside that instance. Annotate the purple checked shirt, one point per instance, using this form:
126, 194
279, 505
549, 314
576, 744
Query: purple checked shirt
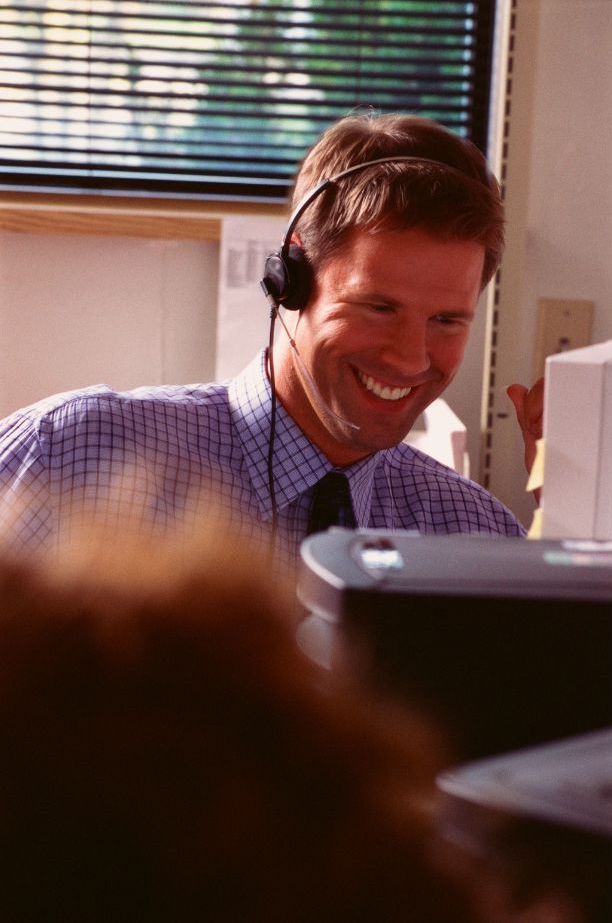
175, 453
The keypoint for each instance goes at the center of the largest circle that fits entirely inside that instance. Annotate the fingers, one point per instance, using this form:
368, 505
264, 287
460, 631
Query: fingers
529, 406
534, 408
517, 394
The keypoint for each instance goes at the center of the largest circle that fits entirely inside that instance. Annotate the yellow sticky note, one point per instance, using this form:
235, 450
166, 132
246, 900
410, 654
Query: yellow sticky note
536, 525
536, 475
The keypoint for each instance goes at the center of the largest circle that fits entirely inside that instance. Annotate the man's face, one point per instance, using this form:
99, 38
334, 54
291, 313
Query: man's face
382, 336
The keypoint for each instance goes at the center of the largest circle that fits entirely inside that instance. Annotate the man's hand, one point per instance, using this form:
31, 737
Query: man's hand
529, 407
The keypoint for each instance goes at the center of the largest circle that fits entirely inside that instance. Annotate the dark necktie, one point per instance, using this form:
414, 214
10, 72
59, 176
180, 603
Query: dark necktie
331, 504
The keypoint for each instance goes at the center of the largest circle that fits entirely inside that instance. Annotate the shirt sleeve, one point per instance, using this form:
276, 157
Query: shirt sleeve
27, 510
434, 499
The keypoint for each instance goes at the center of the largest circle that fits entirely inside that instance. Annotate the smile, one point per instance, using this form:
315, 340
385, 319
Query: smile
380, 390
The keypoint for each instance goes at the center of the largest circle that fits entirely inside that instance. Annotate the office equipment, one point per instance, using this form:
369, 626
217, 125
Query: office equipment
567, 782
543, 814
507, 643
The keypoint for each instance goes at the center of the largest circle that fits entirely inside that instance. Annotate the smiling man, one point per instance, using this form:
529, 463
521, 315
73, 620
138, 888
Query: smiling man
387, 263
383, 336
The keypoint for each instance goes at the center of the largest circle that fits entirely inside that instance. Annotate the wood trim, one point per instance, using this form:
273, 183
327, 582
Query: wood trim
170, 219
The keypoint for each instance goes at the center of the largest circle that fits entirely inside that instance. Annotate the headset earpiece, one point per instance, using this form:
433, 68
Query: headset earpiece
288, 279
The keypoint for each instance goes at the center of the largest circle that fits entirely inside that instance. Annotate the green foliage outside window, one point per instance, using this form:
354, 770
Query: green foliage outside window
221, 97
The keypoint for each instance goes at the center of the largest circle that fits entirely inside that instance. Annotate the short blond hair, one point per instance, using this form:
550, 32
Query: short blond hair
462, 202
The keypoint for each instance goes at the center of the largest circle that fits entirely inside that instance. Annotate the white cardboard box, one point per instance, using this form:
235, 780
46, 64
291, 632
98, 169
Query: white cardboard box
577, 490
444, 437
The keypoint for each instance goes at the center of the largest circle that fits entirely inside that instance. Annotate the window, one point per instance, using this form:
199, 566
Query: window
221, 98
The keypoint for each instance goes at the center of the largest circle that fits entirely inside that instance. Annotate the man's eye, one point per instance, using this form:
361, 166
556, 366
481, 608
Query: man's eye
451, 320
381, 308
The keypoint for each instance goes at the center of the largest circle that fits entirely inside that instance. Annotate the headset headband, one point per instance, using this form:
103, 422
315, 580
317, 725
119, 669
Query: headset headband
332, 180
287, 277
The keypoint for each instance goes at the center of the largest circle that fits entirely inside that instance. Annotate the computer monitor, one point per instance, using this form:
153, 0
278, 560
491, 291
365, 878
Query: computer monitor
577, 486
506, 642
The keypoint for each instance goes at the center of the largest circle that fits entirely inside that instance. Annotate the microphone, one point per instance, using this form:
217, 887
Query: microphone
311, 386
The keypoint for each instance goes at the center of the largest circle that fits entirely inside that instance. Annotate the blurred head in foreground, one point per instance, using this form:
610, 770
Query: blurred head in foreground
168, 752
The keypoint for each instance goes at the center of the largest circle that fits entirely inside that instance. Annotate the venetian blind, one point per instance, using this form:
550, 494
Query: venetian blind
221, 98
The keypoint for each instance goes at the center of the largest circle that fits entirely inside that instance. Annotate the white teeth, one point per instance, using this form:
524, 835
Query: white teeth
384, 391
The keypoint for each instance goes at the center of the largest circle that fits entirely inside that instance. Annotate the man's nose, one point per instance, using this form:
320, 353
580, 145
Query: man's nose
408, 350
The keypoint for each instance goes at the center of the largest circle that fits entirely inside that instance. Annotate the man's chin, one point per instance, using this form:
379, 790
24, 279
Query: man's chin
358, 444
349, 437
385, 439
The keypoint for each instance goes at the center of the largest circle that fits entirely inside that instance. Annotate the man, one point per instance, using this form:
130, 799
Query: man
393, 259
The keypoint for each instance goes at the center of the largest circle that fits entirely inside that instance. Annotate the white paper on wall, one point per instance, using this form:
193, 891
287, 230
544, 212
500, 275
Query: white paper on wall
243, 317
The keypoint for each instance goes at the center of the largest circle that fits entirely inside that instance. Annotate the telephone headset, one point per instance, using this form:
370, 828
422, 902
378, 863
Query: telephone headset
287, 282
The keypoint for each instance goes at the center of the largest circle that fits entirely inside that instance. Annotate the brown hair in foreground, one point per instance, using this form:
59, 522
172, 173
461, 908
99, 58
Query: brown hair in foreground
167, 753
462, 202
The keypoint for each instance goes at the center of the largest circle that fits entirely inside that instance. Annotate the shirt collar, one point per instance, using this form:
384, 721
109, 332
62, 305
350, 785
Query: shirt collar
297, 464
